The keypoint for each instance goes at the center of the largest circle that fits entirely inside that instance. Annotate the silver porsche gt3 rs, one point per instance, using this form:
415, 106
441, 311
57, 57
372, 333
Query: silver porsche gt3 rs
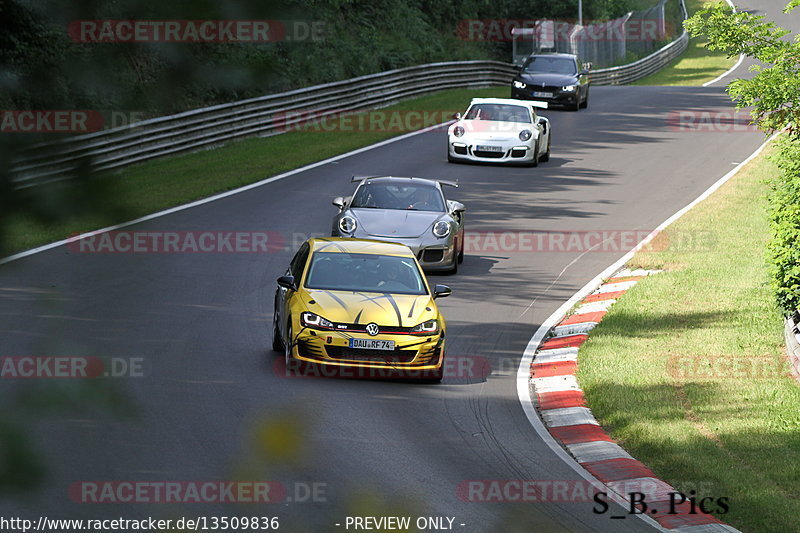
411, 211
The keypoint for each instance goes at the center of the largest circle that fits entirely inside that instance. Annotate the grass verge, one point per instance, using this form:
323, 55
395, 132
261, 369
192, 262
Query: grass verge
696, 65
688, 371
112, 198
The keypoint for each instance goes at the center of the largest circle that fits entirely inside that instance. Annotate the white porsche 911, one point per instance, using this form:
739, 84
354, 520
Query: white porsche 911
500, 130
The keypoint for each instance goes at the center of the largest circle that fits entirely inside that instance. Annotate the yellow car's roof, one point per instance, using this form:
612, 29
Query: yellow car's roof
359, 246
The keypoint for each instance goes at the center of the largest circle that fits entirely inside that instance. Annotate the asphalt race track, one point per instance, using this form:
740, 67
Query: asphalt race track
201, 324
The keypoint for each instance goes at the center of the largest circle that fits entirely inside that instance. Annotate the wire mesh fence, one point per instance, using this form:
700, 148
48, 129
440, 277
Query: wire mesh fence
603, 43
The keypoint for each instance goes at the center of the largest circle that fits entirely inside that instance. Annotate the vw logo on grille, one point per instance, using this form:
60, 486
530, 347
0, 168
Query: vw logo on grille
373, 329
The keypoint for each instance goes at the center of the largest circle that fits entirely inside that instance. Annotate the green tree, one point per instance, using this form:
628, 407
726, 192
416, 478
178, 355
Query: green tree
774, 91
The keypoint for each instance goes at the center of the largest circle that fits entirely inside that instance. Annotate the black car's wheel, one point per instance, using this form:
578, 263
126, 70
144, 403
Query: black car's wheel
546, 156
577, 105
585, 103
277, 342
535, 161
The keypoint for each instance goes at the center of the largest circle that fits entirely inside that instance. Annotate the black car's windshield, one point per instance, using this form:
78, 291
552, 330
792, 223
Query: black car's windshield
338, 271
550, 65
414, 196
498, 113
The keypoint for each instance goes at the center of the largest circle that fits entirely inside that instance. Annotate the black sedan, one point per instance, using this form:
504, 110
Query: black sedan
553, 78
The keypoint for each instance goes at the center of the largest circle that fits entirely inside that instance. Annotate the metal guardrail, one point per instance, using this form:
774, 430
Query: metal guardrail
262, 116
273, 114
792, 337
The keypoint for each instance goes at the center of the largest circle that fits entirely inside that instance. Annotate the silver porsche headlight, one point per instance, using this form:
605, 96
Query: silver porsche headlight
347, 224
458, 131
441, 229
519, 85
524, 135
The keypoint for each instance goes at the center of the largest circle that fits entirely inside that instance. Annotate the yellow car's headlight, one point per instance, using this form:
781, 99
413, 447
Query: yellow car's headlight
310, 320
431, 327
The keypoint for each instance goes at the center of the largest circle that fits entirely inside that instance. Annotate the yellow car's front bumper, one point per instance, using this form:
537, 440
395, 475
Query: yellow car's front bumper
412, 352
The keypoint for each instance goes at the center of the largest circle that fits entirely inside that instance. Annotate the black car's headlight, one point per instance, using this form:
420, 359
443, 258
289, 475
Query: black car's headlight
569, 88
519, 84
310, 320
347, 224
431, 327
458, 131
441, 229
524, 135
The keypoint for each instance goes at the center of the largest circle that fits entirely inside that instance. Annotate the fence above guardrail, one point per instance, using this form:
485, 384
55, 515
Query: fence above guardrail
273, 114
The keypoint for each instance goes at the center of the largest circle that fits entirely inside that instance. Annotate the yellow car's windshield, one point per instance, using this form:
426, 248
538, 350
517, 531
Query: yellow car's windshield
364, 273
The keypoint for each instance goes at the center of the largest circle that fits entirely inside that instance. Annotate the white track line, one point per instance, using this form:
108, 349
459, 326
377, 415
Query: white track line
523, 372
215, 197
734, 67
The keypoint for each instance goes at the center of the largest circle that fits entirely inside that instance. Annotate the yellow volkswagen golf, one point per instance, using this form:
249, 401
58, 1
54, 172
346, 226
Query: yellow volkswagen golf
359, 304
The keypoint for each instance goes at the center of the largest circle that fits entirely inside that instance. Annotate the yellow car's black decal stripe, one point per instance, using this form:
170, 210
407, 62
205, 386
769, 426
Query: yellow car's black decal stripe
411, 311
336, 299
373, 299
412, 345
396, 309
387, 296
358, 316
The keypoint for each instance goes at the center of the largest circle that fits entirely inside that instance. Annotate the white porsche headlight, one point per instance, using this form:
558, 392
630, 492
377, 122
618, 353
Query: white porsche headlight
519, 84
458, 131
347, 224
441, 229
524, 135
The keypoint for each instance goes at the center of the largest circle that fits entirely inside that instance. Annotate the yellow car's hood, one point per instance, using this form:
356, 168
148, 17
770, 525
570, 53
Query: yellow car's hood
350, 307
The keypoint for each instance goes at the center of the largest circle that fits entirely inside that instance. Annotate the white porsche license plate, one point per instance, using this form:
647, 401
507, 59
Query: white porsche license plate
542, 95
485, 148
372, 344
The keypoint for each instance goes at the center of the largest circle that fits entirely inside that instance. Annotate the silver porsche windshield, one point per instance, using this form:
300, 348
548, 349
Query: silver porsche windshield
550, 65
338, 271
412, 196
499, 113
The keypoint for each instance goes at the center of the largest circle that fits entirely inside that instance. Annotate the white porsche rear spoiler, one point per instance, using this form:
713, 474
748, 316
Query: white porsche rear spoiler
357, 178
535, 103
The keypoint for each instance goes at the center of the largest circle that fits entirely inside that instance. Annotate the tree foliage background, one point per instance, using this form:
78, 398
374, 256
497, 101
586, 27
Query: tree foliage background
42, 68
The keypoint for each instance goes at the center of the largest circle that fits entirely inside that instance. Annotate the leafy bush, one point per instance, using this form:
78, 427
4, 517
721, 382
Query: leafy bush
784, 246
